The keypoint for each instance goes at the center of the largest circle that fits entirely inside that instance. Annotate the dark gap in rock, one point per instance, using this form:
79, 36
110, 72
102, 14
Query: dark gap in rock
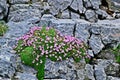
90, 33
94, 72
71, 9
104, 3
74, 30
6, 17
101, 17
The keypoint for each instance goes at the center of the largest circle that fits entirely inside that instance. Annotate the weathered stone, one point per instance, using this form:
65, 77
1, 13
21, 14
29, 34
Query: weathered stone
99, 73
65, 26
25, 76
95, 3
60, 70
45, 20
19, 1
112, 78
3, 8
74, 16
6, 55
102, 14
6, 69
22, 14
89, 72
81, 74
106, 67
58, 6
95, 43
90, 52
106, 54
82, 28
103, 63
78, 5
65, 14
87, 4
91, 16
17, 29
113, 70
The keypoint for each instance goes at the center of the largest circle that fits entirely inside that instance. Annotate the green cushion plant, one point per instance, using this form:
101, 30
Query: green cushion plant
3, 28
44, 42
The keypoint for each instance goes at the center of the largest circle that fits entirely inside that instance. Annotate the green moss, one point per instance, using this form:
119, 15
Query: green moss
3, 28
116, 52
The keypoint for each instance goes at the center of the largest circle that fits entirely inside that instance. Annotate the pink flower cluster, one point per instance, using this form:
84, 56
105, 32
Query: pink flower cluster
55, 47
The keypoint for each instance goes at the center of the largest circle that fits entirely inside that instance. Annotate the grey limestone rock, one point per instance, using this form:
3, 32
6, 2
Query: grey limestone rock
25, 76
22, 14
96, 44
112, 78
100, 73
6, 69
19, 1
95, 3
82, 28
74, 16
65, 26
78, 5
89, 71
91, 15
101, 14
3, 8
45, 20
65, 14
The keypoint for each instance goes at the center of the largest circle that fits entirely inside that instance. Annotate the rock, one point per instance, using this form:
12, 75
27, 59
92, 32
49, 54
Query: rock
91, 16
59, 70
65, 14
19, 12
96, 44
2, 41
65, 26
113, 70
6, 69
45, 20
90, 52
87, 4
21, 15
6, 55
112, 78
106, 70
89, 72
117, 15
110, 32
81, 31
95, 3
81, 74
25, 76
19, 1
57, 6
68, 69
60, 5
17, 29
74, 16
106, 54
3, 9
100, 73
102, 14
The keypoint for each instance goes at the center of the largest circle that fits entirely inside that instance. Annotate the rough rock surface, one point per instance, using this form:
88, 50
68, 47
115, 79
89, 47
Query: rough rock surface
3, 8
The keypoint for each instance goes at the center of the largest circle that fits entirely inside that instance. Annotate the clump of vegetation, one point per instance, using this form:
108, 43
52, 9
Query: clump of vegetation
3, 28
44, 42
116, 52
